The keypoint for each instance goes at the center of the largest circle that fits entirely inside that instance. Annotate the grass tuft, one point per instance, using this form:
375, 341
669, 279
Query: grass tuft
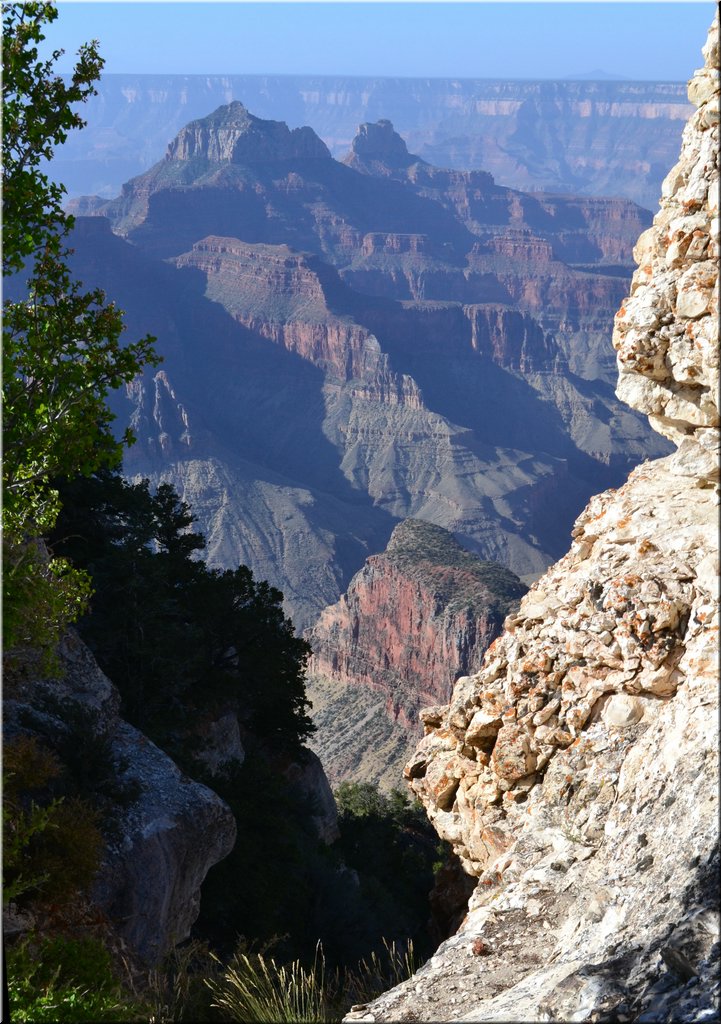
256, 990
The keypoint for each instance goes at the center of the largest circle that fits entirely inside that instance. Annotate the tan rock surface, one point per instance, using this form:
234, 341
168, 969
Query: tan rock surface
590, 816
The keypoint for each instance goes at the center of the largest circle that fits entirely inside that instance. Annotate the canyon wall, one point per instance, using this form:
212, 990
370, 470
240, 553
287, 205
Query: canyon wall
576, 774
345, 322
168, 829
413, 619
590, 137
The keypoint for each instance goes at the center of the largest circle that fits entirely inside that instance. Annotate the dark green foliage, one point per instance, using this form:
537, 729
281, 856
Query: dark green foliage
62, 353
263, 889
179, 640
90, 770
64, 979
37, 116
393, 848
178, 988
52, 846
41, 595
282, 886
173, 635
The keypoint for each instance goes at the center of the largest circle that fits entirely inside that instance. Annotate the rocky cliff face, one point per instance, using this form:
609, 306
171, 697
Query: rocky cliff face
233, 135
576, 774
595, 138
413, 619
169, 830
345, 324
377, 149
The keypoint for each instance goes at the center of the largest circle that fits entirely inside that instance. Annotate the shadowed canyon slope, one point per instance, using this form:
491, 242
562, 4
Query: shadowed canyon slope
413, 620
327, 333
588, 137
576, 774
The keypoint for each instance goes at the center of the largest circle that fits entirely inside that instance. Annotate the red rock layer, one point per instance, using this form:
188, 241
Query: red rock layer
409, 629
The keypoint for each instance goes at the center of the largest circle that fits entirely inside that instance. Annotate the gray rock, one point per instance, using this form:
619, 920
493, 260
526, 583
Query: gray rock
311, 780
170, 829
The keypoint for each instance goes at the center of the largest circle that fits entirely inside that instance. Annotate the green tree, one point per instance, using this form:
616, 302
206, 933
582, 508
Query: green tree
174, 635
393, 847
62, 352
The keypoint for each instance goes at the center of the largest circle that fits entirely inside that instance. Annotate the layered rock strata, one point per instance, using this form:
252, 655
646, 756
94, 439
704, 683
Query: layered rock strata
345, 324
377, 149
576, 774
234, 135
591, 137
412, 621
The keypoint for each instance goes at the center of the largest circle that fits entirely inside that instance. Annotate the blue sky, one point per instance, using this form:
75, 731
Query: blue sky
646, 40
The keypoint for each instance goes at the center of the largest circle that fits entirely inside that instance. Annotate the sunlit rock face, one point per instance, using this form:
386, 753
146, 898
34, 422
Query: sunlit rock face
412, 620
576, 774
233, 135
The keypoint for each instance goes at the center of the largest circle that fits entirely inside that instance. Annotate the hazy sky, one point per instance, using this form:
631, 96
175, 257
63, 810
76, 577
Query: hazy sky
648, 40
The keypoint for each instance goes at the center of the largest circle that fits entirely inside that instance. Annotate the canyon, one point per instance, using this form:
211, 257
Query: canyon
413, 620
389, 388
576, 773
610, 138
346, 323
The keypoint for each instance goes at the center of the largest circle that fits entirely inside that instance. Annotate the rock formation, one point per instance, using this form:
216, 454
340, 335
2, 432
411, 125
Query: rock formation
345, 324
588, 137
169, 829
233, 135
412, 620
379, 150
309, 778
576, 774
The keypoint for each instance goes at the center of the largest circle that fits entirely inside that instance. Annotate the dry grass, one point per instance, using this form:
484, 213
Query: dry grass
255, 989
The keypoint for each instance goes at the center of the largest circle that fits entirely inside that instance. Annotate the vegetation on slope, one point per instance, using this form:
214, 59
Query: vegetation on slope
174, 636
62, 352
461, 580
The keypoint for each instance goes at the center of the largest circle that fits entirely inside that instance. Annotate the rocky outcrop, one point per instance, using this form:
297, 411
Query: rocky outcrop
168, 829
233, 135
378, 149
576, 774
311, 782
666, 333
412, 620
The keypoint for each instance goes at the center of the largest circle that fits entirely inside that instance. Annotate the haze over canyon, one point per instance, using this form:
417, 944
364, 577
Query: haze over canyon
381, 339
413, 340
612, 138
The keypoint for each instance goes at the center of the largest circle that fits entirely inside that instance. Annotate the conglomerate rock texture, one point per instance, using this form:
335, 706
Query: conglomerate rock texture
576, 774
